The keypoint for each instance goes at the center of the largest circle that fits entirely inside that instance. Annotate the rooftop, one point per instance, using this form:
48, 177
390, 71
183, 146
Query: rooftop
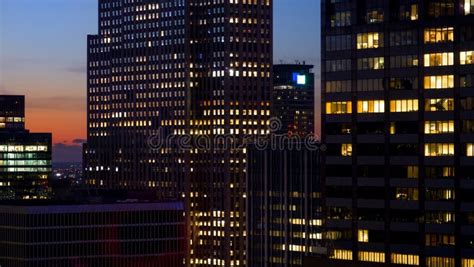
48, 207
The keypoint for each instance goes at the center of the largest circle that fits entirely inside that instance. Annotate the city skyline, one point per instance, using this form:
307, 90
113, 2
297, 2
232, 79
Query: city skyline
42, 71
250, 133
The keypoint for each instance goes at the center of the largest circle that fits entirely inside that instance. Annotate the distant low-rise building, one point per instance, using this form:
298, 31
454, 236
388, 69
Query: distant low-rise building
92, 235
25, 158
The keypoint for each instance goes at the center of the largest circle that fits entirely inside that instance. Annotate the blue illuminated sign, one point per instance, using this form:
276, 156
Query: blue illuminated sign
299, 79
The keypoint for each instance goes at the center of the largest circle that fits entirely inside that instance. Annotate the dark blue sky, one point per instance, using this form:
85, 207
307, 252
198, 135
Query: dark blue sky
43, 55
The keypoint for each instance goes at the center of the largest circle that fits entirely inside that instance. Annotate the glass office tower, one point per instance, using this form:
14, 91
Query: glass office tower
397, 120
181, 68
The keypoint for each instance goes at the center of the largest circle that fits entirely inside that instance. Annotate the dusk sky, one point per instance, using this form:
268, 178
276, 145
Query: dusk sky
43, 56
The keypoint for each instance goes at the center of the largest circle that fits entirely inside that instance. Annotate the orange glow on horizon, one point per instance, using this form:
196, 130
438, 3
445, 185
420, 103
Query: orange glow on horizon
65, 125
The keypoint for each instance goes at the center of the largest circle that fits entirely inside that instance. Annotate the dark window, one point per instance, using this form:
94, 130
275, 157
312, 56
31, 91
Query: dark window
438, 9
338, 128
403, 83
404, 149
370, 193
371, 171
370, 128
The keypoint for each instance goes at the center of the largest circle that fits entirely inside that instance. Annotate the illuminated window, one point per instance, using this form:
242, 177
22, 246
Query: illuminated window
370, 63
439, 217
346, 150
439, 59
344, 107
434, 240
437, 194
412, 172
468, 9
439, 82
439, 262
371, 256
16, 148
369, 40
371, 106
402, 193
439, 150
297, 221
409, 12
470, 150
439, 35
414, 12
335, 235
404, 105
405, 259
467, 57
467, 262
439, 127
440, 104
297, 248
439, 172
31, 148
363, 236
342, 254
374, 16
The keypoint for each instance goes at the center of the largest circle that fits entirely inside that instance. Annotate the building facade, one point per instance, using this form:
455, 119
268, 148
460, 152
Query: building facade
25, 158
293, 98
12, 112
283, 205
108, 235
181, 68
397, 118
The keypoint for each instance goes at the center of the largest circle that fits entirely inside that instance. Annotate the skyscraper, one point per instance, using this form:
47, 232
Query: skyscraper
284, 209
293, 98
397, 121
283, 182
181, 68
25, 158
